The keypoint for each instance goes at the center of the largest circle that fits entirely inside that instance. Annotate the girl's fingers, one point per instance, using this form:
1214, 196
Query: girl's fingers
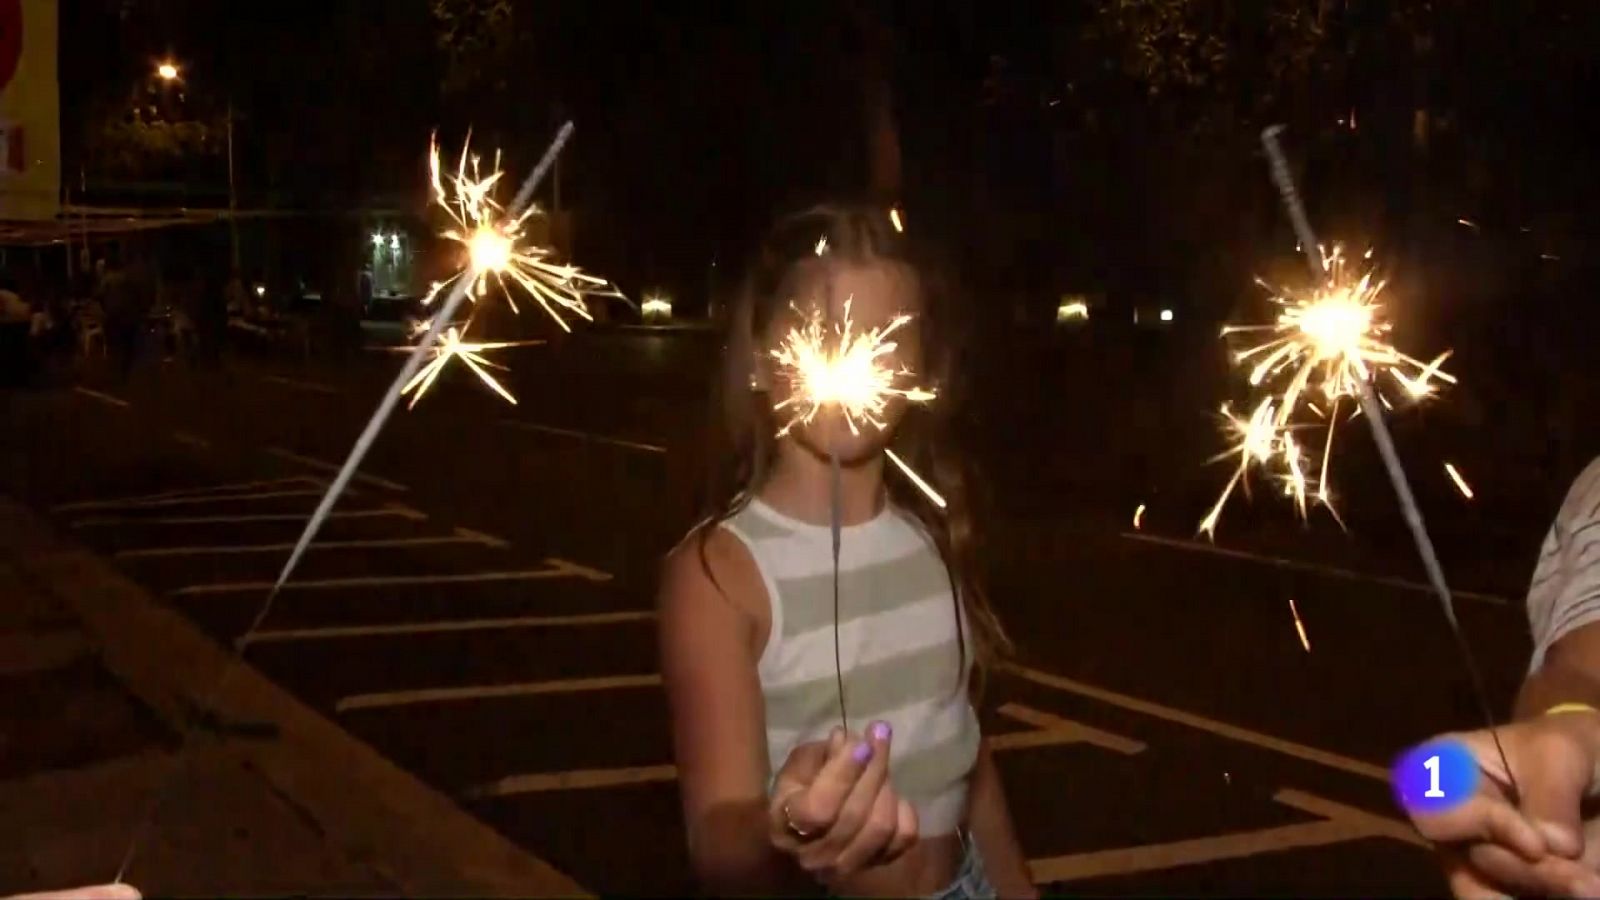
905, 830
863, 798
874, 835
817, 807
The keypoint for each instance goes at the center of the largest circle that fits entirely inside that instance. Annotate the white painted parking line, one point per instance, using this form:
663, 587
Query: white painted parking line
445, 626
325, 466
1300, 566
391, 511
103, 398
583, 436
299, 385
1051, 731
557, 570
204, 491
1342, 823
387, 699
574, 779
1054, 730
191, 501
193, 440
1222, 729
461, 536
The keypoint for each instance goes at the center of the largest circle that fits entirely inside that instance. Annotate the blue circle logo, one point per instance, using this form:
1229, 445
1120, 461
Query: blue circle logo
1436, 777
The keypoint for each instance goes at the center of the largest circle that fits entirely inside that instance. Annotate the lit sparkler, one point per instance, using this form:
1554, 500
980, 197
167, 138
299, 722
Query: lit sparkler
1138, 517
847, 371
497, 247
1341, 341
1329, 342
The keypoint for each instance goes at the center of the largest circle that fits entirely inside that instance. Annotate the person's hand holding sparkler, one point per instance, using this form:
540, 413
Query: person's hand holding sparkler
1531, 842
834, 810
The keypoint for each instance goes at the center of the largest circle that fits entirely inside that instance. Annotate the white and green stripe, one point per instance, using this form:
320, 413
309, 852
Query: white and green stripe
898, 649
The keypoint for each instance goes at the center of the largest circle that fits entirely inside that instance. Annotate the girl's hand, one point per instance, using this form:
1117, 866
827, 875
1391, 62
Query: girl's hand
834, 810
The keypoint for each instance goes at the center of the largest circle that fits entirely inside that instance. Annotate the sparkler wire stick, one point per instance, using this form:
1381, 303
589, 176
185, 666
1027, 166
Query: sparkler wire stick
835, 527
325, 506
1381, 436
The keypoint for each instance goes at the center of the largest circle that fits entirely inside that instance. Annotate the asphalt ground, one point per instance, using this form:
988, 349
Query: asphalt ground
480, 611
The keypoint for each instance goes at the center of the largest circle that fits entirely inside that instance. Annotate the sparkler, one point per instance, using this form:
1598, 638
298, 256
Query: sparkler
1329, 341
849, 374
358, 452
1347, 339
497, 248
1299, 626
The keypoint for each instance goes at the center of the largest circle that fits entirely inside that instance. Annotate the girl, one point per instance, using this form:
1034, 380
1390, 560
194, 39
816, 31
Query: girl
764, 649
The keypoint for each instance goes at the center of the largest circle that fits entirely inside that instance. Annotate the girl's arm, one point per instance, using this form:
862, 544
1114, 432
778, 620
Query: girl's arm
989, 820
710, 642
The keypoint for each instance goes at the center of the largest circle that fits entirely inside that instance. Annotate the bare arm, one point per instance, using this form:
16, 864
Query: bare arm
990, 822
1570, 674
709, 647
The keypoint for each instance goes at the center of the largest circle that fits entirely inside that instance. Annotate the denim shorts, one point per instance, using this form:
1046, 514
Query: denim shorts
971, 883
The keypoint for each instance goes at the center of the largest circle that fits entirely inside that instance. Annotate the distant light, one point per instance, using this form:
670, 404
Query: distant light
894, 218
167, 71
261, 290
1072, 309
1166, 315
1550, 257
656, 306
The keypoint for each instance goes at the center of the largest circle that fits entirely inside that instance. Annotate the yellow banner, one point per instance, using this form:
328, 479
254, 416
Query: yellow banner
30, 111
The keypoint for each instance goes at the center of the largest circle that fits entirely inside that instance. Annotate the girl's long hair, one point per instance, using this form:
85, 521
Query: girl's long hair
743, 442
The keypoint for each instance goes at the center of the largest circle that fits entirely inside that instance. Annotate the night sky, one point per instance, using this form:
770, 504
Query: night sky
1048, 144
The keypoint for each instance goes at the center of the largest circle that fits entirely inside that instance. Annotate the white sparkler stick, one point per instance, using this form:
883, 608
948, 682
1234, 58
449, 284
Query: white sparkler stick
1381, 436
335, 489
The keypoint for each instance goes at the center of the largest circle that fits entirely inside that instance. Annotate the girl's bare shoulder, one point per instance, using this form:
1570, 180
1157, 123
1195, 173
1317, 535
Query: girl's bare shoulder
712, 566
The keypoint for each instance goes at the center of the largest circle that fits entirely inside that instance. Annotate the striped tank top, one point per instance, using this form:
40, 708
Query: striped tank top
898, 650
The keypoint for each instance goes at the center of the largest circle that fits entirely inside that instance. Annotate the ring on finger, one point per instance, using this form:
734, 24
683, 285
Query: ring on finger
796, 830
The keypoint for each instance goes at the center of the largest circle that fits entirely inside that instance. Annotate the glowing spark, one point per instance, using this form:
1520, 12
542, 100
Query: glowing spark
1138, 518
496, 247
849, 373
894, 219
1461, 483
1325, 343
1299, 626
1469, 223
167, 71
916, 479
1072, 309
822, 245
452, 346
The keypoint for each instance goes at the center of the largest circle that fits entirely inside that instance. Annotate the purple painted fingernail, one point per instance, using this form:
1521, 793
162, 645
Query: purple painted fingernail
862, 752
881, 731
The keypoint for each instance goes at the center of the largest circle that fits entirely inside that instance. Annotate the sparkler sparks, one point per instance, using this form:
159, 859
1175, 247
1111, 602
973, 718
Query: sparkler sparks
452, 346
1138, 517
1325, 343
497, 247
1461, 483
849, 373
1299, 626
